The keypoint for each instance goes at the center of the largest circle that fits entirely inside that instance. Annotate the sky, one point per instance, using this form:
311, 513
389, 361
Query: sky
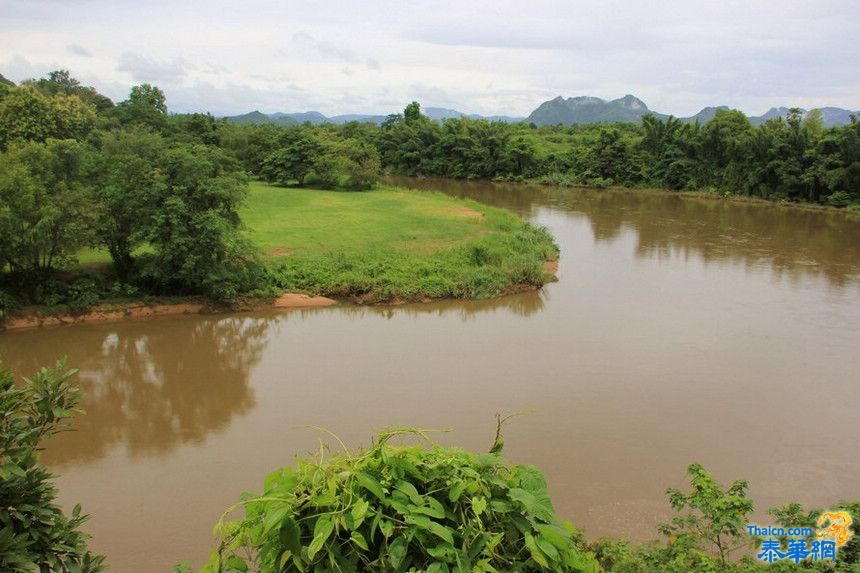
499, 57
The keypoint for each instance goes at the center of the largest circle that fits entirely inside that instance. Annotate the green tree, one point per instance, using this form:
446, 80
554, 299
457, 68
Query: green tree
146, 105
195, 229
28, 115
412, 112
45, 212
128, 185
148, 96
710, 514
34, 532
294, 159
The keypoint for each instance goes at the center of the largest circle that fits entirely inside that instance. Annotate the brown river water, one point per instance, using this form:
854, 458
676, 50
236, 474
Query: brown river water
679, 330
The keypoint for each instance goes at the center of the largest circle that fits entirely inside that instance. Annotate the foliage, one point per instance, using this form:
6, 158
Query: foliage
713, 515
26, 114
713, 525
322, 159
401, 508
34, 532
45, 214
128, 185
193, 223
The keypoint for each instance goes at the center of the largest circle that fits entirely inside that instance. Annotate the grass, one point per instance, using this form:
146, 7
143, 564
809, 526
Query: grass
393, 244
294, 220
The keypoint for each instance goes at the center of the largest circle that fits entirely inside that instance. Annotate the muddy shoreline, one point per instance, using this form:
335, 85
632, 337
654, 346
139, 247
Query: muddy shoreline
142, 310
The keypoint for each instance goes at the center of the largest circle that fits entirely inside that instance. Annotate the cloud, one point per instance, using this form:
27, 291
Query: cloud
143, 69
330, 51
78, 50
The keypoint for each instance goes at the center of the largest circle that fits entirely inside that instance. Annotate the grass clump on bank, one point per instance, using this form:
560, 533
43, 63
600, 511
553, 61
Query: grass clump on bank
393, 244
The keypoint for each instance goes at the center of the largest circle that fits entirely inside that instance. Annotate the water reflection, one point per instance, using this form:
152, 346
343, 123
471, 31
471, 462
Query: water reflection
794, 241
520, 304
150, 389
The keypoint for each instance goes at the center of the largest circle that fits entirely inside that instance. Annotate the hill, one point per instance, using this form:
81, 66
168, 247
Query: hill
587, 109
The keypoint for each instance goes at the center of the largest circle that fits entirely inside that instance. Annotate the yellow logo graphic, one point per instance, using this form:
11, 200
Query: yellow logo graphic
833, 526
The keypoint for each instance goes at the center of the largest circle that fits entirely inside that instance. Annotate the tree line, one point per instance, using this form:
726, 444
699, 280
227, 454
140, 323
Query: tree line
793, 159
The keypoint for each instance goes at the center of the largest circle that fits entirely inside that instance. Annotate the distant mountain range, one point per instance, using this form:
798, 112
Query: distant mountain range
570, 111
629, 108
315, 117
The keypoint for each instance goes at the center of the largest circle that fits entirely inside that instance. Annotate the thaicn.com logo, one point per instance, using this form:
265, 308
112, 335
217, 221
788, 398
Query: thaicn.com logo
819, 543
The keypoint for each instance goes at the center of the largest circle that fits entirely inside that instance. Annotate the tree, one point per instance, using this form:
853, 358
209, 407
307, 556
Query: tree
28, 115
128, 184
46, 215
195, 227
146, 105
713, 515
61, 82
34, 532
294, 160
149, 96
412, 112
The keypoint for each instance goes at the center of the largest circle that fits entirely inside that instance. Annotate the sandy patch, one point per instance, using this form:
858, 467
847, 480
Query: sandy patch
470, 213
294, 300
281, 252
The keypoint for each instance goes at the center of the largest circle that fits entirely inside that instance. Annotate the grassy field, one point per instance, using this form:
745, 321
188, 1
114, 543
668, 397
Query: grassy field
293, 220
388, 244
393, 244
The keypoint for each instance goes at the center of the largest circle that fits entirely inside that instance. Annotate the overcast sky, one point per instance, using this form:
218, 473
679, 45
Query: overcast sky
495, 57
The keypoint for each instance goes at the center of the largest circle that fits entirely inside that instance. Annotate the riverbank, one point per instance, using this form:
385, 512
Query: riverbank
716, 196
140, 310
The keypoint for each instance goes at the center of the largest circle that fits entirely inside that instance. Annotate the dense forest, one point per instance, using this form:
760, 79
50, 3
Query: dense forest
160, 192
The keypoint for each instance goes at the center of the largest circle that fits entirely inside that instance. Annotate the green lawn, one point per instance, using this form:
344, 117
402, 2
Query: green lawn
293, 220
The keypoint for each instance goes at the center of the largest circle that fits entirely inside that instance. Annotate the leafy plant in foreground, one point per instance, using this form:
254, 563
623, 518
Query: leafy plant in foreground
34, 533
401, 508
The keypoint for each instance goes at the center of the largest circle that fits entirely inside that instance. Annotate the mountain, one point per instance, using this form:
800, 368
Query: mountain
259, 118
587, 109
316, 118
6, 82
361, 118
441, 114
830, 116
704, 116
313, 117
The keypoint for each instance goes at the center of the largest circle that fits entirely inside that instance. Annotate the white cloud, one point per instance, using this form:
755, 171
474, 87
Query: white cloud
143, 69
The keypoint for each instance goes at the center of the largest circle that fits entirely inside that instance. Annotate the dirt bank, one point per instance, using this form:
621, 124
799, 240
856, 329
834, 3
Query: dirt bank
142, 310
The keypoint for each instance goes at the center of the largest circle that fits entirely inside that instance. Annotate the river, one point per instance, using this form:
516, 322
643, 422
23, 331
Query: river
679, 330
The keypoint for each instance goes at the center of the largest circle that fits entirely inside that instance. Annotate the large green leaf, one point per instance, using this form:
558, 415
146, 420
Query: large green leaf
397, 552
322, 530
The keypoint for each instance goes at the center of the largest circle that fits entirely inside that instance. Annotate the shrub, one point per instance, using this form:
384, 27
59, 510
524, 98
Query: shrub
402, 508
34, 532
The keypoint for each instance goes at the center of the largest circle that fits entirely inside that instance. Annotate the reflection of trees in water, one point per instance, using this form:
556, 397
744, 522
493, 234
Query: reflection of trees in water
155, 387
794, 241
522, 304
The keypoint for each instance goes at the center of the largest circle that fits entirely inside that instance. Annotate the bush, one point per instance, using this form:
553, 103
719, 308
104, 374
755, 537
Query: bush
83, 293
839, 199
8, 303
34, 533
402, 508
